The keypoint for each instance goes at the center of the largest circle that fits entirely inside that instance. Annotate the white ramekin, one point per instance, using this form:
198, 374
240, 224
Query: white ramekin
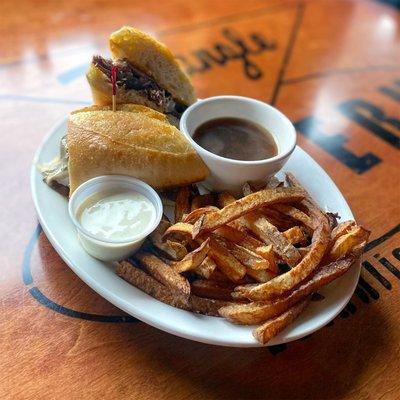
229, 174
112, 250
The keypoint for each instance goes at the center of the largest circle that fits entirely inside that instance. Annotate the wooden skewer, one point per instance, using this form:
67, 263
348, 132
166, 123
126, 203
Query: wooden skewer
114, 87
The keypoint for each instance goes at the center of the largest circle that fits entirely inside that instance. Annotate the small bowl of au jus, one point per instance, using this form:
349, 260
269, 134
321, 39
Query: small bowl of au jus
240, 140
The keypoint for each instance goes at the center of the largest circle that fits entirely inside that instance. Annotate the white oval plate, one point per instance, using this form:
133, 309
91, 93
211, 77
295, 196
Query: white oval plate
52, 211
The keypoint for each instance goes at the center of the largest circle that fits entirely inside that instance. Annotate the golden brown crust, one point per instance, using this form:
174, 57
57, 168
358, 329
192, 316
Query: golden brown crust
153, 58
134, 141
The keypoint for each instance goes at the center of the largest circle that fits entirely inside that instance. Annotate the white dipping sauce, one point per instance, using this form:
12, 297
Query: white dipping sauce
116, 215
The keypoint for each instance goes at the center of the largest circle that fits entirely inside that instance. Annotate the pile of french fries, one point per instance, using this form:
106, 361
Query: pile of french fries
256, 260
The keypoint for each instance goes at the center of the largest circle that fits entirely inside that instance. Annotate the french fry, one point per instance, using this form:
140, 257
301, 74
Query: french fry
244, 239
287, 281
163, 273
273, 183
260, 275
232, 234
202, 200
247, 257
194, 215
224, 199
211, 290
193, 259
345, 243
182, 205
303, 251
180, 230
263, 229
151, 286
281, 221
173, 250
259, 311
294, 235
272, 327
206, 268
225, 261
246, 204
205, 306
342, 229
296, 214
269, 234
267, 252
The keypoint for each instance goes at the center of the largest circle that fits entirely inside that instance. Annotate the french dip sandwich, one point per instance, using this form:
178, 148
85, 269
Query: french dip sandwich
139, 139
134, 140
147, 74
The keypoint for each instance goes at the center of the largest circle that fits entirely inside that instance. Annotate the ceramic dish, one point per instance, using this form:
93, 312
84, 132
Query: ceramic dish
100, 276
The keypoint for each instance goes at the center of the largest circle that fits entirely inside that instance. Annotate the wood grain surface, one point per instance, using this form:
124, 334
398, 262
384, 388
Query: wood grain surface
332, 66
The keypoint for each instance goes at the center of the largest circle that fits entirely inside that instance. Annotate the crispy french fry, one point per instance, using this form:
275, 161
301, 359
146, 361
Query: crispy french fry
180, 230
171, 249
246, 204
345, 243
294, 235
151, 286
259, 311
231, 233
260, 275
273, 183
193, 259
206, 268
262, 228
163, 273
272, 327
211, 289
341, 229
239, 237
205, 306
281, 221
247, 257
182, 205
288, 280
224, 199
225, 261
269, 234
194, 215
267, 252
303, 251
202, 200
296, 214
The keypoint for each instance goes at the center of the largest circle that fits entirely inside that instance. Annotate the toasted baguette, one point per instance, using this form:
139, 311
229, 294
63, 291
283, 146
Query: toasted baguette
135, 141
154, 59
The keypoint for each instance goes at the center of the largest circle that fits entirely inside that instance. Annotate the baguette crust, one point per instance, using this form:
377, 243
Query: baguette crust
135, 141
154, 59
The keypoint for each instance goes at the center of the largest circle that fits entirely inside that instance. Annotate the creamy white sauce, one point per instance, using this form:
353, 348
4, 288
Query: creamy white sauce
119, 216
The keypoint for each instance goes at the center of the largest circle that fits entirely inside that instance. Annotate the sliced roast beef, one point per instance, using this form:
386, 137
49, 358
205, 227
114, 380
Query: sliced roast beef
129, 77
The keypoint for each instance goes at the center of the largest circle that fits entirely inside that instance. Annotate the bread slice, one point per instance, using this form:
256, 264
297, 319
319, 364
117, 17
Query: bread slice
134, 140
154, 59
101, 89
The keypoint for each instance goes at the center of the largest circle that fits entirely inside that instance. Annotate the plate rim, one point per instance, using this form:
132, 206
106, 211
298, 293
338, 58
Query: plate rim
122, 304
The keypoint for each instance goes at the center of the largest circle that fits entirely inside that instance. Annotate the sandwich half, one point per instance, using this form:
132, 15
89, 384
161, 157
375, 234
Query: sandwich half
134, 140
147, 74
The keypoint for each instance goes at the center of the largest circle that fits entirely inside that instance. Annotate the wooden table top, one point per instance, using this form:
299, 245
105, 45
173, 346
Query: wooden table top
332, 66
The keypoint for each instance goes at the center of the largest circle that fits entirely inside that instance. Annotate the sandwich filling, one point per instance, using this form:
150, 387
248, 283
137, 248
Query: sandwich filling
130, 78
